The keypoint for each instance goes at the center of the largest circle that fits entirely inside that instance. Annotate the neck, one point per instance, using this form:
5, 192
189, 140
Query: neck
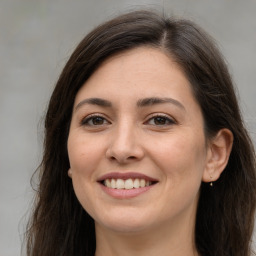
164, 240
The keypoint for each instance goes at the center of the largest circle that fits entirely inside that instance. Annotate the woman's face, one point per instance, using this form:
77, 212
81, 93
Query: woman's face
136, 144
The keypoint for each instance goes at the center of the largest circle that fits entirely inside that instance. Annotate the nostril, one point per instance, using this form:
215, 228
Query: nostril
121, 159
131, 157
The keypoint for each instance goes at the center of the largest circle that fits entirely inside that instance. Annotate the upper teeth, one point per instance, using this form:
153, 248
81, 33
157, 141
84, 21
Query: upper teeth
126, 184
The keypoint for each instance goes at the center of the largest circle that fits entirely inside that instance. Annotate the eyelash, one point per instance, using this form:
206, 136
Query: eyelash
170, 121
162, 117
85, 121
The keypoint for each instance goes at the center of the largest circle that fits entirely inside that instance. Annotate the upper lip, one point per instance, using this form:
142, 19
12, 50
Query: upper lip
126, 175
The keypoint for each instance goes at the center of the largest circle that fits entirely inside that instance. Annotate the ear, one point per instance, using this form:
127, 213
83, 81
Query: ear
218, 153
70, 173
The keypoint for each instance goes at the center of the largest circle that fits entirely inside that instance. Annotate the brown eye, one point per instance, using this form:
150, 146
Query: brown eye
97, 120
160, 121
94, 121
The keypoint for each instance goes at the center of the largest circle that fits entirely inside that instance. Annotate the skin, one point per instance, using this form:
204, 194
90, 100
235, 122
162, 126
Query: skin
129, 138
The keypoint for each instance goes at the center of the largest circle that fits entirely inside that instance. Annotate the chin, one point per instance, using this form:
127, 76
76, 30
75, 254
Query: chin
127, 228
124, 223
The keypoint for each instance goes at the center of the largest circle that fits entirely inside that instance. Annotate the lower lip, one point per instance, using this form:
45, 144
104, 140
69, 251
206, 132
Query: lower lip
125, 193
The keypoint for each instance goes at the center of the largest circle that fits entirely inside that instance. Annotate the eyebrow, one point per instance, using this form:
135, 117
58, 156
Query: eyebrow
94, 101
155, 100
140, 103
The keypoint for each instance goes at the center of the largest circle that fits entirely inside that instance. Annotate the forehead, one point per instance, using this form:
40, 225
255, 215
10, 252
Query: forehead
140, 70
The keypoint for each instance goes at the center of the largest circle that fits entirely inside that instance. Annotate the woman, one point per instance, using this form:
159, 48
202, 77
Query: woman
145, 149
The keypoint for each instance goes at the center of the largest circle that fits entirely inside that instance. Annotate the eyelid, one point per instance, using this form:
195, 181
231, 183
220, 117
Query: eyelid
90, 116
168, 117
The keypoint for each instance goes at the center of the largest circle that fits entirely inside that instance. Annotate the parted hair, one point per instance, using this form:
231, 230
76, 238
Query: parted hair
225, 215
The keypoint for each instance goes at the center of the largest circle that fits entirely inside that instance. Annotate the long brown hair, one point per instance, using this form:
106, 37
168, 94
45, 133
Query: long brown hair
225, 215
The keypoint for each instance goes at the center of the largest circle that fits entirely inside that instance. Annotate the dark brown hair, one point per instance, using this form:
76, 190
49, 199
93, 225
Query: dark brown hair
225, 216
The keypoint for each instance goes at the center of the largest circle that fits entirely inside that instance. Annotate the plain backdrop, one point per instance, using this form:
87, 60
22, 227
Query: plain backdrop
36, 39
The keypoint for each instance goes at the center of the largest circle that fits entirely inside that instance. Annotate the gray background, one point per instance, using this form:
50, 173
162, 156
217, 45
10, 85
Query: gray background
36, 39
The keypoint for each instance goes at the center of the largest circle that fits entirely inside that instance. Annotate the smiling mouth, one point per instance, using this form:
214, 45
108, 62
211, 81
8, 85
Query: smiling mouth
127, 183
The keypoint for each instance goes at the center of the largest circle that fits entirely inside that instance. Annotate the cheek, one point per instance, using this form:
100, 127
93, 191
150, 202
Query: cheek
83, 154
83, 157
181, 157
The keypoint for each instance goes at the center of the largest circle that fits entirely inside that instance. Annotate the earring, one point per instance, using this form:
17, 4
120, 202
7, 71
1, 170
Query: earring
211, 184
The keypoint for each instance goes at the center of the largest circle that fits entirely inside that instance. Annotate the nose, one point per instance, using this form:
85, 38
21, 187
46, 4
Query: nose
125, 145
